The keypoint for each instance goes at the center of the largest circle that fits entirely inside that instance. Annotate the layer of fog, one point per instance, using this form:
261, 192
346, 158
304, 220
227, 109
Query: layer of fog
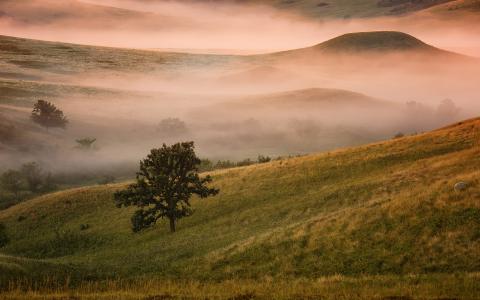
225, 105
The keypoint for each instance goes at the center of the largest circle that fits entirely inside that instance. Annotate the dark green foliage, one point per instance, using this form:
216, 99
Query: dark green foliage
167, 179
18, 185
3, 236
245, 162
399, 135
85, 143
48, 115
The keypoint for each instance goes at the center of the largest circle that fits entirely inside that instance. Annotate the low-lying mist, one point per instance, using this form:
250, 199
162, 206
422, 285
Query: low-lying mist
233, 107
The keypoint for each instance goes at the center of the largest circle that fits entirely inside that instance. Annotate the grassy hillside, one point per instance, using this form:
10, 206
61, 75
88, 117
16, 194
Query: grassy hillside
385, 208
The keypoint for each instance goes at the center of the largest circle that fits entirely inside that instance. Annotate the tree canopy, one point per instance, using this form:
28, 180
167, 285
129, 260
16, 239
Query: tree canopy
167, 180
47, 115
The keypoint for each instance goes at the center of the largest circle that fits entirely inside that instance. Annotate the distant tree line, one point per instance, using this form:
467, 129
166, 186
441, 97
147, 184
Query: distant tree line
208, 165
29, 180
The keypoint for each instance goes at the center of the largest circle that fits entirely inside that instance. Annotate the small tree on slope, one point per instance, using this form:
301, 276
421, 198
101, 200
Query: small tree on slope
167, 179
48, 115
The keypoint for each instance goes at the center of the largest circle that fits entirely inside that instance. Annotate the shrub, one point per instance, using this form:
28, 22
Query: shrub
245, 162
263, 159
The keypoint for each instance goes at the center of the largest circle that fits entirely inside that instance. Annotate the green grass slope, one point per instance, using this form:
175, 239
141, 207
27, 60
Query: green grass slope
384, 208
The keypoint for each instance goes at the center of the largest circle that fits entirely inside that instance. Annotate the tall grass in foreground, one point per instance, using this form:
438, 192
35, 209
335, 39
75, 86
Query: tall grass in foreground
432, 286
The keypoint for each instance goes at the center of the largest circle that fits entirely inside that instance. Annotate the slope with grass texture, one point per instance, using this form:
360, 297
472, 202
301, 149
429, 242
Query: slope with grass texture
385, 208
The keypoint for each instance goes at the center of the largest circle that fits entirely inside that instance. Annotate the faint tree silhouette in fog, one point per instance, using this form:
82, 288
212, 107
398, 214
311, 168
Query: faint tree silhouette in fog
33, 176
167, 179
85, 143
12, 181
447, 111
172, 127
48, 115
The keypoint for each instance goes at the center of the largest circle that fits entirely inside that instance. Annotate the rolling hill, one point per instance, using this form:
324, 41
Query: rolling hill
377, 43
455, 7
384, 208
68, 12
71, 13
301, 101
344, 8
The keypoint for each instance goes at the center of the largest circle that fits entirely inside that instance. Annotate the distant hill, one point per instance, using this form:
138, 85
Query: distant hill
341, 8
68, 13
306, 99
384, 208
455, 7
374, 42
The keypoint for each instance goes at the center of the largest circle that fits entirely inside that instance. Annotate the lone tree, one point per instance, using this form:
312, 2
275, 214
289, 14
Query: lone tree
167, 179
48, 115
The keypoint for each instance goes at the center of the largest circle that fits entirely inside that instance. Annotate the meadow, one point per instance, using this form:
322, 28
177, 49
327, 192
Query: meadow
371, 213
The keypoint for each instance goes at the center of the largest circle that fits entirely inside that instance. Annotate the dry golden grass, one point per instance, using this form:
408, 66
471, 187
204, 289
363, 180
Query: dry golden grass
406, 287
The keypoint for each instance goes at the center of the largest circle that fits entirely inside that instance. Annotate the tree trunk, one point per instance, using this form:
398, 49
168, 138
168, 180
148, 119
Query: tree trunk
172, 224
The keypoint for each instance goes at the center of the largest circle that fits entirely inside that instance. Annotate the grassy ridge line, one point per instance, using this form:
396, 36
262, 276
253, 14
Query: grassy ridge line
384, 208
